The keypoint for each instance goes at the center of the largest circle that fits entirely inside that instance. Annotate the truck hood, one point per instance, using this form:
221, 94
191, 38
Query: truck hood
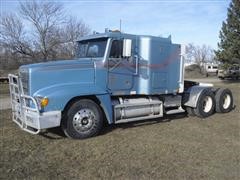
45, 75
56, 64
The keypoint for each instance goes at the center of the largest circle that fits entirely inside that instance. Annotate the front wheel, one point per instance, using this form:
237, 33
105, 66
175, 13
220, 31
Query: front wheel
82, 120
206, 104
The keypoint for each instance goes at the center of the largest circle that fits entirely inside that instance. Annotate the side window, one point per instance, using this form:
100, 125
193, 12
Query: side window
116, 49
93, 51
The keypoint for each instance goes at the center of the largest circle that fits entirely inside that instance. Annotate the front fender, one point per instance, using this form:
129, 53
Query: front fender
106, 104
60, 94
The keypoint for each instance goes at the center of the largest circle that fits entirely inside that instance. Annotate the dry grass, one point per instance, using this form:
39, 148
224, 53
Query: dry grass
4, 89
171, 148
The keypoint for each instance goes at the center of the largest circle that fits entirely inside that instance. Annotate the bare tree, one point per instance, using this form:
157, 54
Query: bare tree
49, 33
13, 36
72, 31
46, 18
199, 54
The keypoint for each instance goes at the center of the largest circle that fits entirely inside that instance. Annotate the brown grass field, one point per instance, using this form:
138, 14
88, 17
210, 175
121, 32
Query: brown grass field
174, 147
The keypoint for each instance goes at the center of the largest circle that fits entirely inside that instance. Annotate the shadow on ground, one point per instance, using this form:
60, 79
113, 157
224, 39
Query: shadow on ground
57, 133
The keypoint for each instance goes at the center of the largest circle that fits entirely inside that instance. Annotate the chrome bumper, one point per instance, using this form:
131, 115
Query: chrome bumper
25, 111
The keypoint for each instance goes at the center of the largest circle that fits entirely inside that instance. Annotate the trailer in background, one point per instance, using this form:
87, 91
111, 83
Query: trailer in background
210, 69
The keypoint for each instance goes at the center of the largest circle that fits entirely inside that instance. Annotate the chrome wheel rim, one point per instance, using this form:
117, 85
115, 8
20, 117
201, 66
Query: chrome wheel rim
83, 120
207, 104
226, 101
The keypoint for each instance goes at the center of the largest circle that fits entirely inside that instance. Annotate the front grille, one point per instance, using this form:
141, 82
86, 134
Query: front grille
24, 78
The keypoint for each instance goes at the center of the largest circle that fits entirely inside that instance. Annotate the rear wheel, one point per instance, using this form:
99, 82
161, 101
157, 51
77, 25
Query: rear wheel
206, 104
82, 120
224, 100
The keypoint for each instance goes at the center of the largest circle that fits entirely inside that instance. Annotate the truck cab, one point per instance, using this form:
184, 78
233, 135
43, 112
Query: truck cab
115, 77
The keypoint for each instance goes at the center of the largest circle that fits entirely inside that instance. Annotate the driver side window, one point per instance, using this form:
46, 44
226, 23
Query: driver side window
93, 51
116, 49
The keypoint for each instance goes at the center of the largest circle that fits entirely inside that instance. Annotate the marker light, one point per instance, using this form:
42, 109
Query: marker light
44, 102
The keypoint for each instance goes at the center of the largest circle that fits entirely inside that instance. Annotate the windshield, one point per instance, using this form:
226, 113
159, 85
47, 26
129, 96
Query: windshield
91, 48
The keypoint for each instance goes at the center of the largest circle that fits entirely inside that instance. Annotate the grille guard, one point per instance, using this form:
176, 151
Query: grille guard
25, 111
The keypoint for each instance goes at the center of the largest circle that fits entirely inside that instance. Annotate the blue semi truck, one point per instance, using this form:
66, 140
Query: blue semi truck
115, 77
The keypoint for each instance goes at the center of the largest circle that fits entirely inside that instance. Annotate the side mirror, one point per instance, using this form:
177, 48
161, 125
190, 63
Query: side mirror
183, 50
127, 48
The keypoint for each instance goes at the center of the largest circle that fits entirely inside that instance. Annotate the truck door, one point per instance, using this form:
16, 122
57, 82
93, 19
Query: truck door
121, 69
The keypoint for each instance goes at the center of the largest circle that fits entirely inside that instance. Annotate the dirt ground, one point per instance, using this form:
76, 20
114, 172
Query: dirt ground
174, 147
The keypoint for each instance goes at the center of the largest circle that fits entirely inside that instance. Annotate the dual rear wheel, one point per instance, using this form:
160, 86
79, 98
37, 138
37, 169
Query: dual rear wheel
224, 100
208, 103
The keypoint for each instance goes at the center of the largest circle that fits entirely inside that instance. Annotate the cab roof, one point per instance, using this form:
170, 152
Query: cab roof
118, 34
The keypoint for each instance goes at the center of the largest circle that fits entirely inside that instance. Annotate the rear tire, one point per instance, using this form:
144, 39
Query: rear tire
82, 120
224, 100
206, 104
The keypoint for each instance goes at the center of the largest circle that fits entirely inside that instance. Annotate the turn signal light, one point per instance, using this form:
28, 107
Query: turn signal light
44, 102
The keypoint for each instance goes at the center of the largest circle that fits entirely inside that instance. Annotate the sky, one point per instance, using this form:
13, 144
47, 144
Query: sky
187, 21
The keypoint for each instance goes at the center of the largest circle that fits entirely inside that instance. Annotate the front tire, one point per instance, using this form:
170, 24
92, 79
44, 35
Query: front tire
82, 120
224, 100
206, 104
